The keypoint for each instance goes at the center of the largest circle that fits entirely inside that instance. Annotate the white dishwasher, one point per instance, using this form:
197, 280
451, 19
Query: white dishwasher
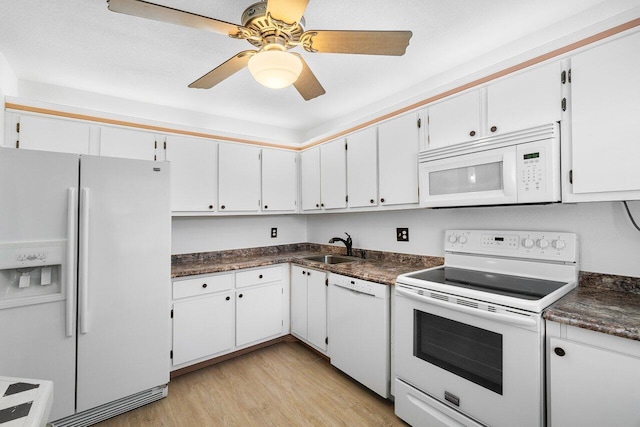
359, 325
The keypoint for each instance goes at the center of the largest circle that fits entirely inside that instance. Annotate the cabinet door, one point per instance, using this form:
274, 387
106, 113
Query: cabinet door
525, 100
310, 178
299, 295
193, 173
333, 175
63, 136
398, 142
202, 327
362, 168
605, 109
127, 143
258, 314
279, 180
590, 386
317, 308
239, 178
455, 120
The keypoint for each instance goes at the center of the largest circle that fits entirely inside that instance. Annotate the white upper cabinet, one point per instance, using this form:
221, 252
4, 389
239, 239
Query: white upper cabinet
194, 181
333, 175
455, 120
605, 114
310, 179
362, 168
63, 136
128, 143
238, 178
279, 180
398, 143
526, 99
515, 102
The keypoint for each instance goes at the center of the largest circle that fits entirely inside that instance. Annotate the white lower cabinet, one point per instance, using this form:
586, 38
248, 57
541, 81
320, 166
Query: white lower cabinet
309, 306
220, 313
258, 313
593, 378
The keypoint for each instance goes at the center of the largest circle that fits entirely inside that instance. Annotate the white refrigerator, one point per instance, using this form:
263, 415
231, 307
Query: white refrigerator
85, 279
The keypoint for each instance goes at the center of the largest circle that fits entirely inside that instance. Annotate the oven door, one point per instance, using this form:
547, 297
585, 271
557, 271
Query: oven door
483, 363
480, 178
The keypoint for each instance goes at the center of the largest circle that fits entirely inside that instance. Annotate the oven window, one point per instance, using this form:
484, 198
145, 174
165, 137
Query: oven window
487, 177
469, 352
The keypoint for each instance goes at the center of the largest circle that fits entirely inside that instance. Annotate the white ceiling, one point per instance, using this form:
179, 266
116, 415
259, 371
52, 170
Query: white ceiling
82, 45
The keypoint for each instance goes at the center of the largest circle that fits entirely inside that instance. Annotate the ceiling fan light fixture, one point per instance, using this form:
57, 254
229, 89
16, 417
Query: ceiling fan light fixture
275, 68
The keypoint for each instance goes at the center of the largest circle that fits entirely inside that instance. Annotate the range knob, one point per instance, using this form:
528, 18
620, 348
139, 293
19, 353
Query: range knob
462, 239
453, 238
528, 243
543, 243
558, 244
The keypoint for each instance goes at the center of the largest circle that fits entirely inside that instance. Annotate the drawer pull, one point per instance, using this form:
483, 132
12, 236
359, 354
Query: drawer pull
559, 351
260, 276
227, 298
204, 285
240, 296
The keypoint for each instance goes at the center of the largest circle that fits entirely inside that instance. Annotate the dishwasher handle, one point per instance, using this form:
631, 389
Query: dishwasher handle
351, 287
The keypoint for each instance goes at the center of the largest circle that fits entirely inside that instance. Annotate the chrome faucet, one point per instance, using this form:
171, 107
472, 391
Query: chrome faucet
348, 243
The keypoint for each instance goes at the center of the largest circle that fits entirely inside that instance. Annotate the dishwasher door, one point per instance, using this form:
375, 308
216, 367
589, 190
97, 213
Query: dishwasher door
359, 325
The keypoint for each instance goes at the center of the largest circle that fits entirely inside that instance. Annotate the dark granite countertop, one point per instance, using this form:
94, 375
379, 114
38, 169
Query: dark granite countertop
379, 267
603, 303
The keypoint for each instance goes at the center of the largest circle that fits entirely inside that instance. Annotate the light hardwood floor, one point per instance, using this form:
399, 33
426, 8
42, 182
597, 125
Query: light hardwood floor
283, 385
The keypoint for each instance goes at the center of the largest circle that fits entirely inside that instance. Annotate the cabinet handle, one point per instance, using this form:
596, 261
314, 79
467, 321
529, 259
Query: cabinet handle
322, 204
266, 207
382, 200
308, 273
210, 206
372, 201
317, 205
204, 285
494, 128
227, 298
304, 272
260, 276
240, 296
472, 133
222, 207
559, 351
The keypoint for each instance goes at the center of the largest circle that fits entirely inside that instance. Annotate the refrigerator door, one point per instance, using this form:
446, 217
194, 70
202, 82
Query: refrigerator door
123, 279
37, 329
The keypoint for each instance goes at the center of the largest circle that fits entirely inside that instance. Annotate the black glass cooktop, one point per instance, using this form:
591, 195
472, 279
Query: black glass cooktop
501, 284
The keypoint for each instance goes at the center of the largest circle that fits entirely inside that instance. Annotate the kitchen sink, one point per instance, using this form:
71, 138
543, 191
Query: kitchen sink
332, 259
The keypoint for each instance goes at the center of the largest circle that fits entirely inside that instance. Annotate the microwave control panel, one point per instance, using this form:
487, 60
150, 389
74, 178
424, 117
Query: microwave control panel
538, 171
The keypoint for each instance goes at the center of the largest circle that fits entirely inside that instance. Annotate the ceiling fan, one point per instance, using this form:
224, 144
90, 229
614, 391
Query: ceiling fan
273, 27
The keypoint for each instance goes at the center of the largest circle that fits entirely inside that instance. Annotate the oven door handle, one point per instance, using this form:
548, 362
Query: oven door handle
499, 317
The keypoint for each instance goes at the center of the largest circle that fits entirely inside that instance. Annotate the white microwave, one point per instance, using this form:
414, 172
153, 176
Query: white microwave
513, 168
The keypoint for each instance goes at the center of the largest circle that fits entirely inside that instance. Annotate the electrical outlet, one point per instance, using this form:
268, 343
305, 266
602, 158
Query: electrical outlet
274, 232
402, 234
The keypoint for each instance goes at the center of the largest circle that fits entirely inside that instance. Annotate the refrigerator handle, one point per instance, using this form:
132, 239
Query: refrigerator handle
71, 257
83, 297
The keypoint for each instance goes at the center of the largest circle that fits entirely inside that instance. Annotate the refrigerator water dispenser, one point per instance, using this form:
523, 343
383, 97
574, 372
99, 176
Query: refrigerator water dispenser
31, 272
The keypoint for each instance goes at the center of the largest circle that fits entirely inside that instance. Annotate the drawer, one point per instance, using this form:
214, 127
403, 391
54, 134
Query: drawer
202, 285
258, 276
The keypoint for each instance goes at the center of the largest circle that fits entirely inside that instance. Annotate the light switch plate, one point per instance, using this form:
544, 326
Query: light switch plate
402, 234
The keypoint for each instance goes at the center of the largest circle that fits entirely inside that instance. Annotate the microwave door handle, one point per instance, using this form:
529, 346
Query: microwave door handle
498, 317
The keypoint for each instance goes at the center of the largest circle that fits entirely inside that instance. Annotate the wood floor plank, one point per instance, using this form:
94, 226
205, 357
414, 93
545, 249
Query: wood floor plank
283, 385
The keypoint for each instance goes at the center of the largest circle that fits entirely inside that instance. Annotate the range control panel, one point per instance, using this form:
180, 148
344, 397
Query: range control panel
548, 245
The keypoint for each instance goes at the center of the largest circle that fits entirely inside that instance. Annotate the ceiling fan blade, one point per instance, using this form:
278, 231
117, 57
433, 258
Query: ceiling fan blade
289, 11
224, 70
307, 84
156, 12
363, 42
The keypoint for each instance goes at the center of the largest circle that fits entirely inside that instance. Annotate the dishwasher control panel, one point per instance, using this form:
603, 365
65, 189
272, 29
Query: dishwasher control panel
362, 286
